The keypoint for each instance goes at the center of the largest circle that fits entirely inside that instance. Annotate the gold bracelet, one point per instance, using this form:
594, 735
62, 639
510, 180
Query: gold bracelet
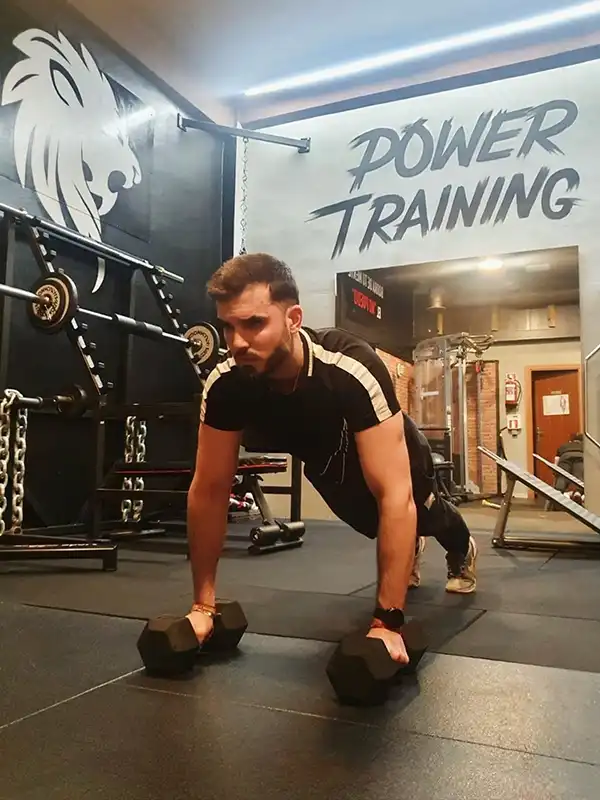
210, 611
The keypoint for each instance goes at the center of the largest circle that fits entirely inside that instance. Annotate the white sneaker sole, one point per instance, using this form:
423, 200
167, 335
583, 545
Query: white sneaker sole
471, 587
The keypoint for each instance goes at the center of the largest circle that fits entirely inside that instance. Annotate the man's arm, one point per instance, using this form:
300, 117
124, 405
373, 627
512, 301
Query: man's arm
208, 504
386, 468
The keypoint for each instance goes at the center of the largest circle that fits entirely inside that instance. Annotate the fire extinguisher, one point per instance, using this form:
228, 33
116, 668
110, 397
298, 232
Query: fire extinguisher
512, 390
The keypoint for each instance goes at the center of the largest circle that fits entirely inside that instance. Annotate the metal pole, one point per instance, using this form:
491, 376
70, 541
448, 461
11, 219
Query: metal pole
296, 491
301, 145
92, 246
22, 294
502, 518
464, 420
7, 269
479, 432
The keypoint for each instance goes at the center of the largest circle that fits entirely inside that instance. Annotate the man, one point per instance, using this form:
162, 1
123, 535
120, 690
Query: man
327, 398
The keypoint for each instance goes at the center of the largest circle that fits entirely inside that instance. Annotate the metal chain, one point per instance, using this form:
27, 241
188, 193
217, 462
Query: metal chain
126, 503
5, 404
140, 455
244, 200
18, 476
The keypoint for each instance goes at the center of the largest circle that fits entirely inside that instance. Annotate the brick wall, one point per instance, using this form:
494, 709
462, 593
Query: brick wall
488, 415
403, 382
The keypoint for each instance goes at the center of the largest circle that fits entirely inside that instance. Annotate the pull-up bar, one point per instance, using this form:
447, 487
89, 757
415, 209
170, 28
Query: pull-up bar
184, 124
97, 248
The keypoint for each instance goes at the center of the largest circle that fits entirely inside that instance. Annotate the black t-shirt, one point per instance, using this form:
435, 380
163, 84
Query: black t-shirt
344, 388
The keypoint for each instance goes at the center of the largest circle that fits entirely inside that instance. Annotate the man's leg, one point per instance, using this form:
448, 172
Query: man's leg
415, 576
442, 520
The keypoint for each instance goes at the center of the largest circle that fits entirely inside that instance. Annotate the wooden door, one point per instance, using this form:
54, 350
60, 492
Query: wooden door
556, 414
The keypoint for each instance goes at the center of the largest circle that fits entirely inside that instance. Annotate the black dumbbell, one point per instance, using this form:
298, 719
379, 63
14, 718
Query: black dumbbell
169, 646
362, 671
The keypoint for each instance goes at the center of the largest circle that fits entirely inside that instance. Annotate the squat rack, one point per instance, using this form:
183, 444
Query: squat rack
41, 236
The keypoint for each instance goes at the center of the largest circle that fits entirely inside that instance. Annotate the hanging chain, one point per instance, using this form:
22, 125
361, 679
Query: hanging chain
5, 404
244, 201
140, 455
126, 503
18, 465
18, 476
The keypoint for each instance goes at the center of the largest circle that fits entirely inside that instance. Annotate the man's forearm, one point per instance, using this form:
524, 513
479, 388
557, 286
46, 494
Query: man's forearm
395, 550
207, 526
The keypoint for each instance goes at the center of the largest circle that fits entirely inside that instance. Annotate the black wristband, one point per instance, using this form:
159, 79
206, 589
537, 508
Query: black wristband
392, 618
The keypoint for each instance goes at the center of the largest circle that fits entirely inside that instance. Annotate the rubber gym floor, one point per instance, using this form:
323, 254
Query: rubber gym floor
505, 704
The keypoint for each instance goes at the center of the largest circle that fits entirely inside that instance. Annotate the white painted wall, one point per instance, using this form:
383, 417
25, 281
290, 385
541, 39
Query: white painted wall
147, 31
516, 358
285, 188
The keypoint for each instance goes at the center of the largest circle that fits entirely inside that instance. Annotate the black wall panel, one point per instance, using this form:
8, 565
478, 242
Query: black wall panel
82, 125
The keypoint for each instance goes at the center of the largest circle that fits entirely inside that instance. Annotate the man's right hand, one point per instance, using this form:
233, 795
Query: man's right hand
202, 624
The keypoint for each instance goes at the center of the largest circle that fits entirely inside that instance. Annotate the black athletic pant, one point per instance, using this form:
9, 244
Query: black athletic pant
442, 520
354, 504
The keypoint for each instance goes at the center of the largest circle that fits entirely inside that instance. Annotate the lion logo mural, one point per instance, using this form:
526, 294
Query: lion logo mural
68, 132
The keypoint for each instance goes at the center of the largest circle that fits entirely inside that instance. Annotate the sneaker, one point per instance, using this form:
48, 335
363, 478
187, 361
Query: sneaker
415, 576
461, 573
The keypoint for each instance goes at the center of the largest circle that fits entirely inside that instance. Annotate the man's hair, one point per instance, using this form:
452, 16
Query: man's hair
230, 280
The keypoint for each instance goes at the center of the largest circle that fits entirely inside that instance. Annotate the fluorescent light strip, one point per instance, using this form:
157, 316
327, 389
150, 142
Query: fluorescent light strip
481, 36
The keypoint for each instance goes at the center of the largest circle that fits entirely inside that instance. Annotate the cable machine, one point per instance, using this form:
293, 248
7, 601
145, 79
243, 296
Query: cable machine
440, 406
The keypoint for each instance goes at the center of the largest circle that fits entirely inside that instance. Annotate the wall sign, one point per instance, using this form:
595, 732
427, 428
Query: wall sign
495, 136
556, 405
362, 296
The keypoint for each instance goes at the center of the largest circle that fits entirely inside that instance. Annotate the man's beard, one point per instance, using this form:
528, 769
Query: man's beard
275, 360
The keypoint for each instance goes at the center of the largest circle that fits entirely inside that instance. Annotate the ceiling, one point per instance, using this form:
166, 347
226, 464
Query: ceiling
523, 280
234, 44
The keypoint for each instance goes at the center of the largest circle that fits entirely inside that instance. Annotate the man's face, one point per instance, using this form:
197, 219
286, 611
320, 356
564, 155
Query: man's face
259, 332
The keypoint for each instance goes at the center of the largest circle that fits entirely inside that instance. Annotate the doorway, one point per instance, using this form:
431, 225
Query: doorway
556, 413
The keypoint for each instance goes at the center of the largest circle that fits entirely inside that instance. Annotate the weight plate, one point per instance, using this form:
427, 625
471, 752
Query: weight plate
78, 403
60, 293
205, 344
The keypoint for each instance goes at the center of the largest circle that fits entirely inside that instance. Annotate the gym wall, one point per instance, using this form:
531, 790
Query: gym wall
80, 127
516, 358
504, 163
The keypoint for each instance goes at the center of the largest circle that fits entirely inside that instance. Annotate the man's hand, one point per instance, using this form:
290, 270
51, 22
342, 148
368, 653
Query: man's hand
393, 641
202, 624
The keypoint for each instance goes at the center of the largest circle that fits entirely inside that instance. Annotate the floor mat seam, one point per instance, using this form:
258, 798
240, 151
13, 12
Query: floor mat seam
66, 700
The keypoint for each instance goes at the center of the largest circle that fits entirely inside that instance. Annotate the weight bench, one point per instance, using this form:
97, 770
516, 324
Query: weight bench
572, 480
562, 472
514, 474
270, 536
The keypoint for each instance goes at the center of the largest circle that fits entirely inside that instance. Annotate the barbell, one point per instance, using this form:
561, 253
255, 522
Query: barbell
73, 403
53, 303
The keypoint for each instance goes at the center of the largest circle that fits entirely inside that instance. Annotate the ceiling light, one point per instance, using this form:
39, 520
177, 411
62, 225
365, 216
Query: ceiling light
490, 264
448, 44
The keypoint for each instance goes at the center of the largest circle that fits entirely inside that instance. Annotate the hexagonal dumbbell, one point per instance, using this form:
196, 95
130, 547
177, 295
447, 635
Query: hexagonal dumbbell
169, 646
362, 671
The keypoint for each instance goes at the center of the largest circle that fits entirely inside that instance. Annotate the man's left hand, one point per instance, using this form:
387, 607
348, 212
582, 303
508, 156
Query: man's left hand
393, 641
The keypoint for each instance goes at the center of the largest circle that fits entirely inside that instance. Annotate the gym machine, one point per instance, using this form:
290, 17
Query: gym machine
440, 406
53, 307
